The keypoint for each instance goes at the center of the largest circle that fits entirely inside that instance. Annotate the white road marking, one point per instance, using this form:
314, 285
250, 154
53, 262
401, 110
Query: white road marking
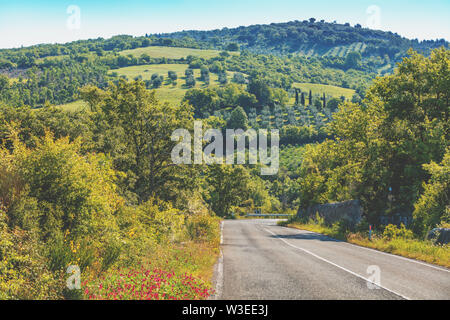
219, 280
338, 266
221, 232
381, 252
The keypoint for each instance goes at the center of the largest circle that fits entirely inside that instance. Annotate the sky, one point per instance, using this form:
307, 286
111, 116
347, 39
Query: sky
24, 23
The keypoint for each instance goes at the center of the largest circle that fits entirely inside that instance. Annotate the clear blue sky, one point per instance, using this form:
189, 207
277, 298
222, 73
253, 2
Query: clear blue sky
31, 22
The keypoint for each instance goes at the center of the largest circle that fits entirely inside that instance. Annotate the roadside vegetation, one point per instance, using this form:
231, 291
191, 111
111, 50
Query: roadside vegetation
391, 152
391, 239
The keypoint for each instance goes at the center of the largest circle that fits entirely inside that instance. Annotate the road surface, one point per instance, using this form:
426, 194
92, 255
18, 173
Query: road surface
263, 261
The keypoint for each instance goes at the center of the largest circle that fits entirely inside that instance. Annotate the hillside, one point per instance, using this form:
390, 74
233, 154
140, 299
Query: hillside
311, 38
170, 91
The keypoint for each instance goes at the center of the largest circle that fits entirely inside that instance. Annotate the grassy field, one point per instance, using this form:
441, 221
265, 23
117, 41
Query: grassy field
168, 92
74, 106
172, 93
329, 90
172, 52
52, 58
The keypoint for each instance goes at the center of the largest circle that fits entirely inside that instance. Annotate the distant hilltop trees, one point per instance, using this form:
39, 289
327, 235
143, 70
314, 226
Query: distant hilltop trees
311, 37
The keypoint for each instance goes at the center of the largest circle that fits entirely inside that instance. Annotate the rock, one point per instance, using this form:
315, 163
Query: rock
350, 211
439, 235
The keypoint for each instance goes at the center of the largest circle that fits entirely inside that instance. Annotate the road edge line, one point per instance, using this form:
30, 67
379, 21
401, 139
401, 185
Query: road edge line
426, 264
336, 265
219, 268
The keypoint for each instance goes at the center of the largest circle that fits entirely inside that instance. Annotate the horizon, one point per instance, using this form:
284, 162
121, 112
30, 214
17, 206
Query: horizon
51, 21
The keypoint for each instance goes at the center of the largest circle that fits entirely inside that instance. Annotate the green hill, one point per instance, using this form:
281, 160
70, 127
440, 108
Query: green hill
311, 38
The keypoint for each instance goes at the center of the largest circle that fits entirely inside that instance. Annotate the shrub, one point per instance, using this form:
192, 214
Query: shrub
433, 207
23, 270
392, 232
111, 255
203, 227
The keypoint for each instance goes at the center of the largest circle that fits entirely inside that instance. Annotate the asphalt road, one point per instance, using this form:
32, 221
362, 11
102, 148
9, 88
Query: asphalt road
262, 261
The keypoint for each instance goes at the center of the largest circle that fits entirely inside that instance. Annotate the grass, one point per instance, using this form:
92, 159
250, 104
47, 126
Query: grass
168, 91
52, 58
172, 52
329, 90
74, 106
410, 248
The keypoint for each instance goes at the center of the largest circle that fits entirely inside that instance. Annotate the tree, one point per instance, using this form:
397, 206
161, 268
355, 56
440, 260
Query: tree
145, 58
302, 100
223, 79
238, 119
333, 104
63, 192
317, 104
172, 75
353, 60
135, 128
310, 98
228, 187
233, 47
261, 90
204, 73
433, 207
157, 82
204, 101
239, 78
190, 81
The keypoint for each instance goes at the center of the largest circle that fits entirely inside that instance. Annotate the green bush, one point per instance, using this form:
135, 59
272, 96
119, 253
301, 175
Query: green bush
392, 232
203, 227
59, 255
433, 207
111, 255
23, 270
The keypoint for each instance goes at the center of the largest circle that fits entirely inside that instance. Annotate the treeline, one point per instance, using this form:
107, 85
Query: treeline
56, 84
30, 56
318, 36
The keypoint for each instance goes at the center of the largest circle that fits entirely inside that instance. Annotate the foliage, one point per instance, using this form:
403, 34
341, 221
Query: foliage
379, 146
24, 274
203, 227
432, 208
238, 119
228, 187
135, 128
392, 232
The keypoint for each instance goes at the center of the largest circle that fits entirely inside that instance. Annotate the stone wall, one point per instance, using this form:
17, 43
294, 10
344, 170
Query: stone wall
439, 235
333, 212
